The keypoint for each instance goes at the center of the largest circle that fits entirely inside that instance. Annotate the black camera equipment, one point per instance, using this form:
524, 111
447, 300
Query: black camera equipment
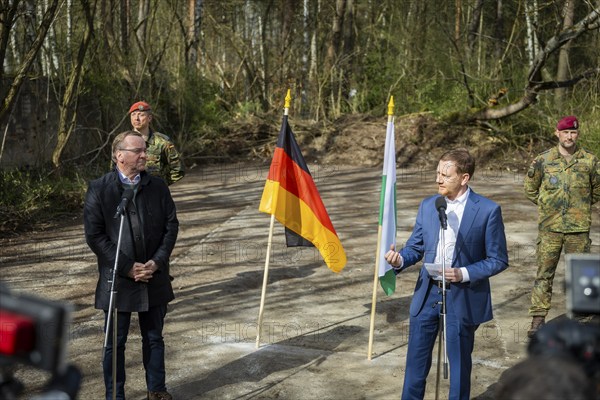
582, 280
34, 331
569, 339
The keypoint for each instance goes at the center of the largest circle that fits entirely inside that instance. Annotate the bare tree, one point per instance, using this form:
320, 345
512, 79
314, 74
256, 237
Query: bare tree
69, 22
124, 13
348, 49
49, 50
499, 31
531, 20
7, 16
535, 83
474, 25
340, 54
332, 56
457, 20
30, 57
194, 29
306, 35
67, 107
141, 32
562, 71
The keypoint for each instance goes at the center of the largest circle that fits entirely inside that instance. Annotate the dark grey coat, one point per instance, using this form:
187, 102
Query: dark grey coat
158, 218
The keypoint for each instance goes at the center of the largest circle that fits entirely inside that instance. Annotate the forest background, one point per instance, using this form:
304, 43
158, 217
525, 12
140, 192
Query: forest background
494, 75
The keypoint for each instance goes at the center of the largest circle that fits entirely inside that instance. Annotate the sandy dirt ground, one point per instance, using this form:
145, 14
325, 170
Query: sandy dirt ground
316, 323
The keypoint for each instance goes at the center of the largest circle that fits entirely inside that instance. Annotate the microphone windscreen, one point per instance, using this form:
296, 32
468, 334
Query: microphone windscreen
440, 202
128, 194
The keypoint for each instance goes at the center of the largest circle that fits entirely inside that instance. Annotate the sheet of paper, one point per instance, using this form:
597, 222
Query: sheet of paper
434, 270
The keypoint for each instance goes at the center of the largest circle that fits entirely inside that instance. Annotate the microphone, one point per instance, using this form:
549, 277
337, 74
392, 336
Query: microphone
440, 205
127, 196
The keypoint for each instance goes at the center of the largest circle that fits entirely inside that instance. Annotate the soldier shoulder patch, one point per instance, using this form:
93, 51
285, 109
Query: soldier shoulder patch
532, 168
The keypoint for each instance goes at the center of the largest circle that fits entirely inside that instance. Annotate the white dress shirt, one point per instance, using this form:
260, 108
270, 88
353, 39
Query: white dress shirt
126, 180
454, 211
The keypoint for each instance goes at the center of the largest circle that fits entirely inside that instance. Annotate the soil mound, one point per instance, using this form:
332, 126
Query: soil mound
359, 140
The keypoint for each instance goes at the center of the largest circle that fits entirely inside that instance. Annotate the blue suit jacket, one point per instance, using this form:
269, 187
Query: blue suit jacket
480, 248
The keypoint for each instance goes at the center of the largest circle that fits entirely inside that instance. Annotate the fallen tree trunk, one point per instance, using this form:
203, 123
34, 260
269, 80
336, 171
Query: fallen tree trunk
535, 84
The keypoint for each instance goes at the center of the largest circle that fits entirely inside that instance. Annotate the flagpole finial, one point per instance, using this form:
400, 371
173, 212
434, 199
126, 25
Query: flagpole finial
391, 106
288, 99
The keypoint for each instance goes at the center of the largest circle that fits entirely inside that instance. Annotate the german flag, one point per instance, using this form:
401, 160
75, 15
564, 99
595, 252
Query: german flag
290, 194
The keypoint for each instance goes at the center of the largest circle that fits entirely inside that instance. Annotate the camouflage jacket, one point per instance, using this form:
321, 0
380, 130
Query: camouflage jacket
163, 158
564, 191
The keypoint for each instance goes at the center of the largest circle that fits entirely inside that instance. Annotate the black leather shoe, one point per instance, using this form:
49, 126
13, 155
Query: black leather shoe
536, 323
159, 396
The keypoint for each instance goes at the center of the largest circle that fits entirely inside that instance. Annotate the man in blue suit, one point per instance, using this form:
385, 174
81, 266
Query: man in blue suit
474, 249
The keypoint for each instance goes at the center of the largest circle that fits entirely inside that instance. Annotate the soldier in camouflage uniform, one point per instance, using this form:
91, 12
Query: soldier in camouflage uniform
163, 159
564, 182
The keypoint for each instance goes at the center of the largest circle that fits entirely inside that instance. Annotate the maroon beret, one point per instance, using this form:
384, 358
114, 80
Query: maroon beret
139, 106
567, 123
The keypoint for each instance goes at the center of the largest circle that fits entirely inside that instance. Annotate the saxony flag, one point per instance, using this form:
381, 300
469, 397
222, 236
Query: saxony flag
387, 211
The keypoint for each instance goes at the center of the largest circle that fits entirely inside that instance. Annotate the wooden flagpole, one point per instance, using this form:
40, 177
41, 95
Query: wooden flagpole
265, 280
374, 299
288, 99
376, 274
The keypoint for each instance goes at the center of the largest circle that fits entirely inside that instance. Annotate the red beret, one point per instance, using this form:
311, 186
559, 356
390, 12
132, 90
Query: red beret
139, 106
567, 123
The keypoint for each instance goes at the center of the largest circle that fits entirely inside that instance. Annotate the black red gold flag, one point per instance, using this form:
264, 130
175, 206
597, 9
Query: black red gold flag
290, 194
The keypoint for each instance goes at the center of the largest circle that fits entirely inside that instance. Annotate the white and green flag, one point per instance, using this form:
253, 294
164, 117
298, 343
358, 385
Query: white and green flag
387, 210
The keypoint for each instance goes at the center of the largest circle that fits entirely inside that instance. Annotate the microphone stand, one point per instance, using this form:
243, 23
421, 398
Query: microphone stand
442, 329
112, 313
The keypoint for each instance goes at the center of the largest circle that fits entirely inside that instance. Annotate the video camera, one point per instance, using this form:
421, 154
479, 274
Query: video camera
566, 337
582, 282
33, 331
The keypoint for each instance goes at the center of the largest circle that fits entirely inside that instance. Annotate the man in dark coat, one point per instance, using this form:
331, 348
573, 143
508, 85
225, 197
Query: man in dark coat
148, 236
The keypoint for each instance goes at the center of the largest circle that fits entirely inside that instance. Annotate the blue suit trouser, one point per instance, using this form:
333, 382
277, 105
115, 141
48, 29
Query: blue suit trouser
423, 331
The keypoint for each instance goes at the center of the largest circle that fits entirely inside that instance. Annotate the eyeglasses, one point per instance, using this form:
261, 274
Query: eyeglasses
136, 150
